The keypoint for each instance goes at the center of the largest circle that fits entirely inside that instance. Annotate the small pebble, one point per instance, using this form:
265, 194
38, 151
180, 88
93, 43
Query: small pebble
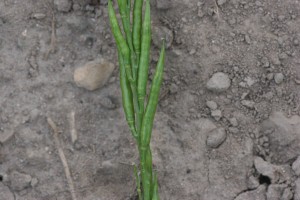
216, 137
248, 104
233, 121
93, 75
212, 105
279, 77
219, 82
106, 102
34, 182
216, 114
38, 15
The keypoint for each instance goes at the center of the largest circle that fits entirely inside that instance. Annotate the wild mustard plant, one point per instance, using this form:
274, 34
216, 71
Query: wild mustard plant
133, 44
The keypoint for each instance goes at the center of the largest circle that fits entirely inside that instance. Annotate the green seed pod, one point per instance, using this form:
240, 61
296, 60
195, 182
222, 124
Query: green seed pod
148, 118
127, 97
121, 42
144, 58
137, 26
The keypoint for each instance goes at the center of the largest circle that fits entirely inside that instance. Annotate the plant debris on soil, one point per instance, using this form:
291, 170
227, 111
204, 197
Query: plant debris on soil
228, 121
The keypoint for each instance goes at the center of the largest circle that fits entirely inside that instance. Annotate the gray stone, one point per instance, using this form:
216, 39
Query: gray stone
233, 121
19, 181
284, 138
248, 103
162, 32
38, 15
63, 5
216, 114
34, 182
93, 75
296, 166
219, 82
275, 191
106, 102
297, 190
211, 105
5, 193
216, 137
279, 77
276, 173
258, 194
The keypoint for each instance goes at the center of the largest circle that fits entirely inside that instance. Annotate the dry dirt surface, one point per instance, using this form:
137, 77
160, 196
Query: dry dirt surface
228, 121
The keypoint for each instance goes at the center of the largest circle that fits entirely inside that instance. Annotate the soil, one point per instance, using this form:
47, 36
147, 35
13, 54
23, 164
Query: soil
238, 141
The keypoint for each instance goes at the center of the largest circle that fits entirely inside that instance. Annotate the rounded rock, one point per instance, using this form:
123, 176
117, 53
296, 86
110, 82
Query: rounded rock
216, 137
279, 77
93, 75
219, 82
212, 105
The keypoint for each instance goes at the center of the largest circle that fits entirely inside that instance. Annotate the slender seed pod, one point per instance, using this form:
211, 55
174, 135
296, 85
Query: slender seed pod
127, 97
121, 42
144, 58
136, 27
125, 17
148, 118
155, 195
147, 125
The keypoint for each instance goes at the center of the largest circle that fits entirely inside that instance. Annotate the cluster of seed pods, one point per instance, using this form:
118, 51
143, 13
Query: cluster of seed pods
133, 44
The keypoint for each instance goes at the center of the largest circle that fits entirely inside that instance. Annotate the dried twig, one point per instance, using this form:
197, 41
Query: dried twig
62, 158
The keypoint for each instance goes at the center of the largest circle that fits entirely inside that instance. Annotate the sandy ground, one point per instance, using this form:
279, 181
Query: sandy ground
227, 126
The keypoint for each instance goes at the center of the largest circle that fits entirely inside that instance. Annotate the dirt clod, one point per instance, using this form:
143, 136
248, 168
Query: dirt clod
219, 82
19, 181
